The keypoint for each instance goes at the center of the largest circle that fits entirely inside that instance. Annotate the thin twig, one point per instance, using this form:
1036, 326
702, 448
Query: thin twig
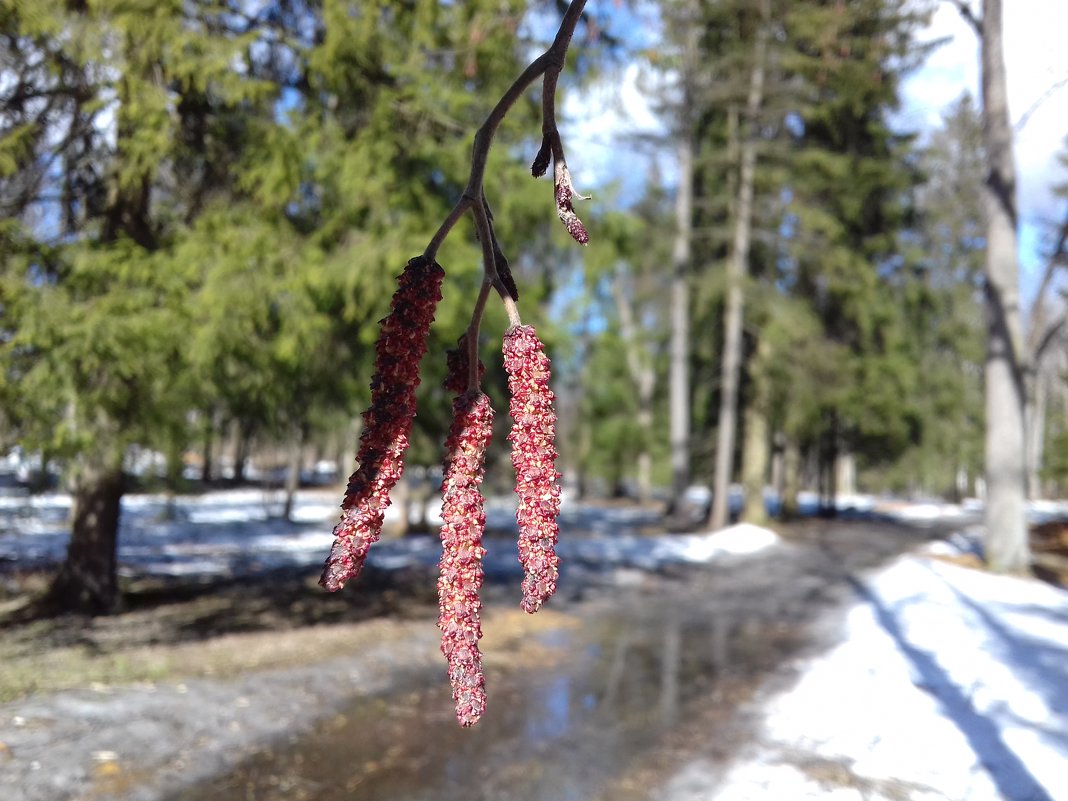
969, 16
473, 379
549, 62
1050, 91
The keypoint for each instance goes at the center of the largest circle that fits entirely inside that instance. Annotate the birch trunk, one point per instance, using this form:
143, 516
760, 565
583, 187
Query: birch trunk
1006, 526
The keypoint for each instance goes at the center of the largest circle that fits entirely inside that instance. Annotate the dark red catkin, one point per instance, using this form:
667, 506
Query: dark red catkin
534, 458
463, 523
388, 421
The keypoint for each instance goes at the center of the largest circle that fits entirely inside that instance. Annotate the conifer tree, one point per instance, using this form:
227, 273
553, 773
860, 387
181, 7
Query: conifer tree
206, 203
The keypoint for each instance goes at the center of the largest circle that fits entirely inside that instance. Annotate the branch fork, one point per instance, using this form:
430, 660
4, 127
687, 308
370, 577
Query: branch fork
387, 424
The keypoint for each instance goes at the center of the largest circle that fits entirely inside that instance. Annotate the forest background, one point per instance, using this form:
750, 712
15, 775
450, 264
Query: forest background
205, 204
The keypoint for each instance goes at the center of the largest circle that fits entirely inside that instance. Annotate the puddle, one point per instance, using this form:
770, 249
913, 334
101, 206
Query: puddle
598, 696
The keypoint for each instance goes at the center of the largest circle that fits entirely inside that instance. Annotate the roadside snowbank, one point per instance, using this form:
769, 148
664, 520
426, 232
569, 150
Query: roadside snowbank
949, 683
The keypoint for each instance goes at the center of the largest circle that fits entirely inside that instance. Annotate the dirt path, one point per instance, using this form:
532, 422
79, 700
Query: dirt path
598, 698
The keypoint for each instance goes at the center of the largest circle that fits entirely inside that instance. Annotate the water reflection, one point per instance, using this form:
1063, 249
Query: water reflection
557, 731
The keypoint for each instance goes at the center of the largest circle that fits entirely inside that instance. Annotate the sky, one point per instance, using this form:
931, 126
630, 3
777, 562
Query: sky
1036, 59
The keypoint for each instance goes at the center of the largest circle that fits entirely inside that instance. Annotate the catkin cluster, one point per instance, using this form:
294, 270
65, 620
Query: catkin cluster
387, 425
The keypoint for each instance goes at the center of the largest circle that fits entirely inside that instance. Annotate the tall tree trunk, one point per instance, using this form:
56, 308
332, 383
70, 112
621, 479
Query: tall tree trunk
791, 480
207, 449
242, 451
679, 372
756, 449
1035, 419
293, 465
681, 257
87, 582
845, 471
1006, 479
642, 373
737, 269
755, 464
1039, 374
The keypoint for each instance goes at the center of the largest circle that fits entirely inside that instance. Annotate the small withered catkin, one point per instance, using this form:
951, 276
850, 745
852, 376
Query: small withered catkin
534, 458
565, 206
388, 422
460, 577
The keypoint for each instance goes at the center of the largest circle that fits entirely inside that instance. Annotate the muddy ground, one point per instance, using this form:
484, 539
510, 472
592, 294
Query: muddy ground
271, 689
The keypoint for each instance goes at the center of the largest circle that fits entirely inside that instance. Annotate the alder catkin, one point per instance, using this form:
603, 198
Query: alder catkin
534, 458
387, 422
460, 576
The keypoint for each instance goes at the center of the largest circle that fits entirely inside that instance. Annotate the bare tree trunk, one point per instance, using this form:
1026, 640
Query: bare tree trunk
1006, 541
755, 464
207, 449
679, 368
1038, 401
679, 373
737, 269
791, 480
88, 581
642, 373
401, 498
296, 456
846, 473
242, 452
756, 449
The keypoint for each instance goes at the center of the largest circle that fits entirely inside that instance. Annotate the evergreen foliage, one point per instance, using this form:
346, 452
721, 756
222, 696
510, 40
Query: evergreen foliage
206, 204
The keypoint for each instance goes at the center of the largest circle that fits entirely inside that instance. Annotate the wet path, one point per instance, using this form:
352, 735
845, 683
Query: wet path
594, 704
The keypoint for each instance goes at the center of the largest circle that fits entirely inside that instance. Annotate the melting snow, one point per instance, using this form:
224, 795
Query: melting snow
948, 683
236, 532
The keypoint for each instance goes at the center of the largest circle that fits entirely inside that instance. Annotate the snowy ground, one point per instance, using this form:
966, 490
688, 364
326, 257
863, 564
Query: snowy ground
948, 683
237, 532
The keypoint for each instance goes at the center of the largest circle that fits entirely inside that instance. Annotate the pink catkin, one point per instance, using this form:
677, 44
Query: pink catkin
464, 520
388, 421
534, 458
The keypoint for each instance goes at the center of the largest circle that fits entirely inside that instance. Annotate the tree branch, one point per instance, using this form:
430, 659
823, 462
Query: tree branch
549, 63
969, 16
1050, 91
1042, 335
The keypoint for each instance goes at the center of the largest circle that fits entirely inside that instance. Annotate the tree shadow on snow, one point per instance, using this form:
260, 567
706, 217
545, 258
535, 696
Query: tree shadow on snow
1009, 773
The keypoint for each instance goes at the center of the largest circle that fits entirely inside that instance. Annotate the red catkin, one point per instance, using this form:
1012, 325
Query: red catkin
388, 421
534, 458
460, 578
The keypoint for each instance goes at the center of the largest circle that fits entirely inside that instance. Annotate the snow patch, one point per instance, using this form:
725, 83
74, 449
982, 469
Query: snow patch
947, 683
